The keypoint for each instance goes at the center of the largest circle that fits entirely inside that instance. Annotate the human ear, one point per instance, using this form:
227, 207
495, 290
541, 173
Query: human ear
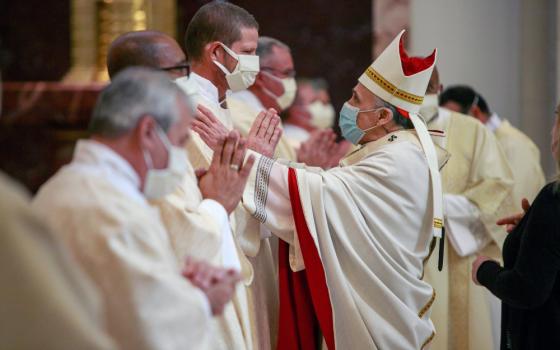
215, 51
146, 132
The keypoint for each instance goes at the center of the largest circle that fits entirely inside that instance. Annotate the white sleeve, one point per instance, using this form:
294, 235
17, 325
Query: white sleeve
463, 224
230, 259
267, 197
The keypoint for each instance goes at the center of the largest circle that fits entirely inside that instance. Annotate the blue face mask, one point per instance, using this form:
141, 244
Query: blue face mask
347, 123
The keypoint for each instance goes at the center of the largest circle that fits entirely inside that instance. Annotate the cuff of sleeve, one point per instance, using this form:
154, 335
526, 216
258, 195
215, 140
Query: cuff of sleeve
487, 272
215, 209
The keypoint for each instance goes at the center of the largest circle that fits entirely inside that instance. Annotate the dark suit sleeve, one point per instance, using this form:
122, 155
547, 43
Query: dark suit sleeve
529, 283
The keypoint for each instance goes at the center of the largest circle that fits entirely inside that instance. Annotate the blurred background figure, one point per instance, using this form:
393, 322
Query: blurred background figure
477, 184
47, 302
297, 119
522, 153
323, 114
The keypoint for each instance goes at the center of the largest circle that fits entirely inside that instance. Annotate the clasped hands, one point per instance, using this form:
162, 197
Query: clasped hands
218, 284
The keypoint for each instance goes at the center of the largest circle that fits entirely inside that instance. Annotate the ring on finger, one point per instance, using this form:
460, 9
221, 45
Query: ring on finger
234, 167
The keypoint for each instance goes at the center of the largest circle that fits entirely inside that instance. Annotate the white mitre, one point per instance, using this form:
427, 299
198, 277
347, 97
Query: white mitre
402, 81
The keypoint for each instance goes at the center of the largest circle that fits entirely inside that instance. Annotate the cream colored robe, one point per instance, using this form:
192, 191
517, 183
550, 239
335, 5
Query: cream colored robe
117, 238
524, 159
46, 301
370, 222
243, 116
196, 228
478, 171
256, 259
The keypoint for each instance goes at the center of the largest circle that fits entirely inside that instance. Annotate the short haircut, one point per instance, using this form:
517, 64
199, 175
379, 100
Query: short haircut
134, 49
266, 44
216, 21
319, 84
464, 96
134, 93
398, 117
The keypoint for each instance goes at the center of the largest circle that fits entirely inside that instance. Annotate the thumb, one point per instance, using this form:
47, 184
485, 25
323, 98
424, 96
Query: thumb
525, 204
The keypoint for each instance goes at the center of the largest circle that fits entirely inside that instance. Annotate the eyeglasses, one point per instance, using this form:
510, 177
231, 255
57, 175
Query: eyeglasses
184, 68
285, 74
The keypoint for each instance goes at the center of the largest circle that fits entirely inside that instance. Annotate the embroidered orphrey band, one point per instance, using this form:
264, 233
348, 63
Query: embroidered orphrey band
392, 89
261, 187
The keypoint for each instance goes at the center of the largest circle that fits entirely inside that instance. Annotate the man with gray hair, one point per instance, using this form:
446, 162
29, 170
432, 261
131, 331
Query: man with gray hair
98, 206
275, 87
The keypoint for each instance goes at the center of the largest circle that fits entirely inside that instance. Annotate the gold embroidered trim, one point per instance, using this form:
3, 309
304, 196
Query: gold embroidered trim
430, 338
392, 89
438, 223
428, 304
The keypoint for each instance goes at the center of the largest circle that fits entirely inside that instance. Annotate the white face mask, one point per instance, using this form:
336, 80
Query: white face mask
322, 114
161, 182
245, 71
290, 88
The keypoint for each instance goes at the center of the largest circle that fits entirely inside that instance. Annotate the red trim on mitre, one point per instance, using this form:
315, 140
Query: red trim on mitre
295, 311
413, 65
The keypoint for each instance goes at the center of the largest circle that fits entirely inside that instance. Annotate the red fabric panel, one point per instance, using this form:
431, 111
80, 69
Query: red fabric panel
298, 328
313, 266
413, 65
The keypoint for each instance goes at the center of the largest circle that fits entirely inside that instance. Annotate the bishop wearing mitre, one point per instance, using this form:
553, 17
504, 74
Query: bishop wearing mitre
354, 239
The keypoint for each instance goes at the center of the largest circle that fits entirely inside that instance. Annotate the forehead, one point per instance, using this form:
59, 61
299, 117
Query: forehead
363, 93
169, 50
248, 38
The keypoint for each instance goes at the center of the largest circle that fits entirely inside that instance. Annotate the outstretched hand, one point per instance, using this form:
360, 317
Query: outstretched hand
225, 179
265, 133
209, 127
321, 149
511, 221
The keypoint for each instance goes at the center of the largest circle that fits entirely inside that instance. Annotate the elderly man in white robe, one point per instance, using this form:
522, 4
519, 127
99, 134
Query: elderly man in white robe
98, 207
355, 238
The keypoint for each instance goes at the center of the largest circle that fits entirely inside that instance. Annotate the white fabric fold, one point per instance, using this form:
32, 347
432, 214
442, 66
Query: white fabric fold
465, 229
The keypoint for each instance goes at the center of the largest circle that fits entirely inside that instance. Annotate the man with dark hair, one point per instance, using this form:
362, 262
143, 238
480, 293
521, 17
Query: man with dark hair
522, 153
148, 49
275, 87
195, 217
477, 185
221, 41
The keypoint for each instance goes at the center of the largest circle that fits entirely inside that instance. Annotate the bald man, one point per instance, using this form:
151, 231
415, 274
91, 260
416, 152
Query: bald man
477, 183
148, 49
198, 226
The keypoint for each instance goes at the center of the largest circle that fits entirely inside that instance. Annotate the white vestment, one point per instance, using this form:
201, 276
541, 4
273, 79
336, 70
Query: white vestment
477, 183
362, 232
46, 302
255, 256
97, 210
297, 135
523, 156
